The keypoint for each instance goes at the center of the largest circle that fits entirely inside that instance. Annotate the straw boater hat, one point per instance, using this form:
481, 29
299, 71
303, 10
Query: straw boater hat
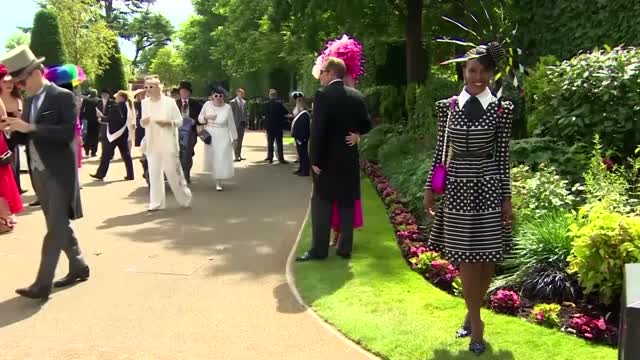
20, 61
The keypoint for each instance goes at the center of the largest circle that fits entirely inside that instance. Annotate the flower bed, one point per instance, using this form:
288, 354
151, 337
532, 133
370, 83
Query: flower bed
582, 319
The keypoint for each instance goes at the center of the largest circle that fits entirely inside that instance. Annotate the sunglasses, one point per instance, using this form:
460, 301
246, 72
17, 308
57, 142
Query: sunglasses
150, 87
217, 96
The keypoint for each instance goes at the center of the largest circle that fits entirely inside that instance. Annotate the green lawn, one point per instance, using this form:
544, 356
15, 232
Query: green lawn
379, 303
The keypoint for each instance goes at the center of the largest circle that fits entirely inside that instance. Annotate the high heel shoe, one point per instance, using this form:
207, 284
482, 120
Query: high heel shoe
477, 348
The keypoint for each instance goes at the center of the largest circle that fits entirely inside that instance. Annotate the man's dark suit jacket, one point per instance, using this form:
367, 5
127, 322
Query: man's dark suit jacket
275, 116
338, 110
195, 106
54, 140
88, 112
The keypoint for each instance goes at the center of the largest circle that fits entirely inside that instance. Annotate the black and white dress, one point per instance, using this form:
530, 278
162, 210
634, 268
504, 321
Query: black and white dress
468, 225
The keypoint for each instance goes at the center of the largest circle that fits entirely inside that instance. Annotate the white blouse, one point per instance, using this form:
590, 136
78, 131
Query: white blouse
161, 139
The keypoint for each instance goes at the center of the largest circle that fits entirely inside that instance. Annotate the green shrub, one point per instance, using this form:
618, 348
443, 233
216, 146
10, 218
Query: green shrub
538, 262
423, 120
407, 163
385, 103
546, 315
46, 39
592, 93
535, 194
603, 241
535, 83
373, 141
607, 184
570, 161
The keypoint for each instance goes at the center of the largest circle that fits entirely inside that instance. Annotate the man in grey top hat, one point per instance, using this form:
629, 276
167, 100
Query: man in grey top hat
47, 128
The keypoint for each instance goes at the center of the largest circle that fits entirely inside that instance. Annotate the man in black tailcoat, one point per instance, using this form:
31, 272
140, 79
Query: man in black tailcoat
339, 113
275, 120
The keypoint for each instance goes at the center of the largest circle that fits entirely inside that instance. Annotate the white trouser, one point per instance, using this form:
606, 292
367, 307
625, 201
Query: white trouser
168, 164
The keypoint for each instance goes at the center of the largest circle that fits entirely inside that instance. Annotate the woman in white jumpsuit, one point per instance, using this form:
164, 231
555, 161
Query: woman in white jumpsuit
161, 119
218, 121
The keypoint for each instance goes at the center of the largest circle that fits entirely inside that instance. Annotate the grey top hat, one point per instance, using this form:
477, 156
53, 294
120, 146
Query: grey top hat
20, 61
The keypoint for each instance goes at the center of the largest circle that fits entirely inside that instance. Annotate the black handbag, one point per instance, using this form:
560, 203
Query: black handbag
6, 158
205, 136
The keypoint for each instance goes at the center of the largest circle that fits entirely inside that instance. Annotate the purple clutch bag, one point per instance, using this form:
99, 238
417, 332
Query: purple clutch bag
439, 175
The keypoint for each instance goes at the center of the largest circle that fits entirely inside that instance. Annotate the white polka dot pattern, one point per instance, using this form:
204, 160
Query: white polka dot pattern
468, 225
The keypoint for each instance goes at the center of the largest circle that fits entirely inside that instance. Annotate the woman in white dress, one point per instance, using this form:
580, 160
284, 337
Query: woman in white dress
217, 119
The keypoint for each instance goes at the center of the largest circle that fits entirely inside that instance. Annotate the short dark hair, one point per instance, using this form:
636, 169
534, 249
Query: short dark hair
337, 66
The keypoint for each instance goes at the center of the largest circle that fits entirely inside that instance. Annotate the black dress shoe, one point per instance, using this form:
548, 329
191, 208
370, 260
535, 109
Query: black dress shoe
95, 176
268, 161
283, 162
242, 159
308, 257
236, 160
22, 191
72, 278
128, 178
35, 203
35, 292
343, 255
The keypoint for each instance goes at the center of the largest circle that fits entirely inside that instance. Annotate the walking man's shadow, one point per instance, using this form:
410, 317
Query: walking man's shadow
17, 309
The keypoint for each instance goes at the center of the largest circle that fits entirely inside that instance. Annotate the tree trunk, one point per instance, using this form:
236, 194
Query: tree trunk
108, 11
415, 50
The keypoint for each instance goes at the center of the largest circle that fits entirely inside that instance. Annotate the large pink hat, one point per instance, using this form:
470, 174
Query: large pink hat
346, 49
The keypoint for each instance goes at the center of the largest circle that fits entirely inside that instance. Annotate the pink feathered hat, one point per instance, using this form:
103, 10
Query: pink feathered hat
346, 49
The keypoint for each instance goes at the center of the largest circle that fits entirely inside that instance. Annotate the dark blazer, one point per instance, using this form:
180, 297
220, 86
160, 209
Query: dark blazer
275, 115
54, 140
338, 110
139, 129
118, 118
301, 128
88, 112
195, 106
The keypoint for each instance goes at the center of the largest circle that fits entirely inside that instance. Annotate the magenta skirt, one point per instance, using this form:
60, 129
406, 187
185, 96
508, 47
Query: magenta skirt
358, 216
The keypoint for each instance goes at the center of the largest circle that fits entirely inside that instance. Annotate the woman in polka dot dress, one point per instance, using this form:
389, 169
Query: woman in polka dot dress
473, 223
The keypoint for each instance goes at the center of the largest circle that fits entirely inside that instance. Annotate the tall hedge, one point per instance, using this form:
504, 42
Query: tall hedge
565, 27
113, 78
46, 39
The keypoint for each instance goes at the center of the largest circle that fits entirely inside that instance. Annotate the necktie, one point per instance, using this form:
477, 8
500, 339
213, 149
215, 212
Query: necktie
473, 109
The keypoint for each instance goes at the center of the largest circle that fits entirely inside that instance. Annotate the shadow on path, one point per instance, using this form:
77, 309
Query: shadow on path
17, 309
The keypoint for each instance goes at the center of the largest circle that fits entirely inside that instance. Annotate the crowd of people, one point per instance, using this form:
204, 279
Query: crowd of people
472, 225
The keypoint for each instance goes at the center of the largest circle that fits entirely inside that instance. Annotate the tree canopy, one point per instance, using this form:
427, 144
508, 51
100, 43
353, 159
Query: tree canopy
46, 39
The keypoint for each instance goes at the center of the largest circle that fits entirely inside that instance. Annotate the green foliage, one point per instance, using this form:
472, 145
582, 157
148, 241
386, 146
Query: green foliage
536, 194
16, 39
540, 242
385, 103
570, 161
168, 66
46, 39
407, 162
592, 93
422, 121
423, 262
606, 186
375, 139
535, 84
148, 30
85, 34
546, 314
113, 77
603, 242
565, 27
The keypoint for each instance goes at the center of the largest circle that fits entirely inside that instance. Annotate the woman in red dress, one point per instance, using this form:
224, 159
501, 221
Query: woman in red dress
10, 201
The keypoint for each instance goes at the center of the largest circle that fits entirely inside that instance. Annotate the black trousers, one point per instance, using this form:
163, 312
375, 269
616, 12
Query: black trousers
109, 149
303, 155
91, 141
275, 137
188, 140
321, 211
